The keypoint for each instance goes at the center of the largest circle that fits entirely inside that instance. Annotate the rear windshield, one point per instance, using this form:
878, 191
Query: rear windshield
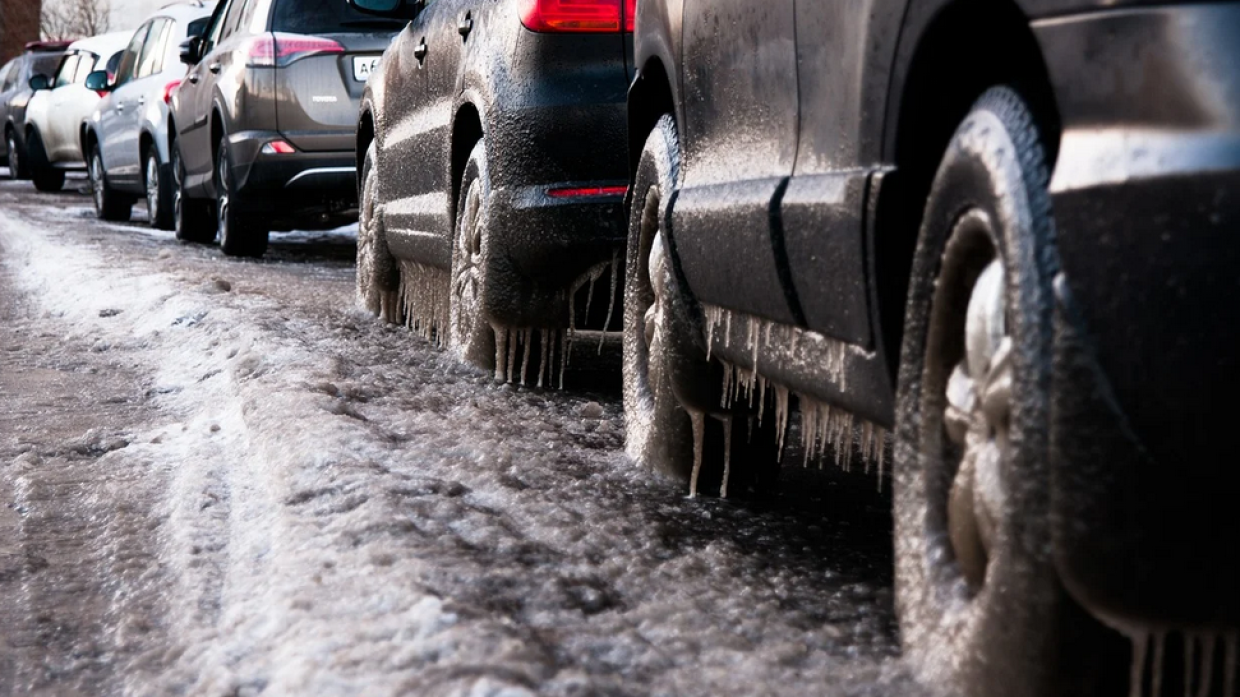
326, 17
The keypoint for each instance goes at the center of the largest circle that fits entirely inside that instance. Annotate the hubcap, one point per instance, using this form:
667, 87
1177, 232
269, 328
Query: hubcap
977, 422
466, 285
152, 187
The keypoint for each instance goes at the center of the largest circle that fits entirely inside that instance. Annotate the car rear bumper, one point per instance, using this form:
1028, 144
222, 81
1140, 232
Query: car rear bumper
295, 184
1146, 197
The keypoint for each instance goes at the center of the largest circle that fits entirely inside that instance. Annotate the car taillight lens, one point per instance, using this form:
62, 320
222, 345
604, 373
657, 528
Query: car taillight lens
573, 16
630, 15
169, 89
278, 50
278, 147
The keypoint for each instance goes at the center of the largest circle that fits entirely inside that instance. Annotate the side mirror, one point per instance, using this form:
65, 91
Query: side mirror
395, 9
39, 82
191, 50
97, 81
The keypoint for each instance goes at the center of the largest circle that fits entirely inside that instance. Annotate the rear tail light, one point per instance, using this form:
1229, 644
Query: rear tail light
630, 15
576, 16
278, 50
169, 89
587, 191
278, 147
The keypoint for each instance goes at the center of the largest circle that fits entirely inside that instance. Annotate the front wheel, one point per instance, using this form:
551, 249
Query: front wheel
239, 236
158, 192
981, 610
109, 204
17, 163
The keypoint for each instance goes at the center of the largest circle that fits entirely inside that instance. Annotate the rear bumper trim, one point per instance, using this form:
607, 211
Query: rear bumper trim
321, 172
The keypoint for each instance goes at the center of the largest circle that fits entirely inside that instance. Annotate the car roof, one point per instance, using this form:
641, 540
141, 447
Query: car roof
186, 11
47, 46
104, 44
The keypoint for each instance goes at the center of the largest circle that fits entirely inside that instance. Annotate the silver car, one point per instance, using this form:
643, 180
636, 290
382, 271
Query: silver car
125, 139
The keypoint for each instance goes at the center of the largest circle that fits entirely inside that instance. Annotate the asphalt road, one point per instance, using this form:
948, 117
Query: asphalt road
220, 477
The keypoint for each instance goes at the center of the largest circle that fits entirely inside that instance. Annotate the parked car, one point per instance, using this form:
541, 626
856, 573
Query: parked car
1012, 249
126, 139
266, 120
40, 58
59, 107
514, 114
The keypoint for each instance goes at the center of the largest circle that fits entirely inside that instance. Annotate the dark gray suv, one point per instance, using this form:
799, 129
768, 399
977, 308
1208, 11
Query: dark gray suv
265, 121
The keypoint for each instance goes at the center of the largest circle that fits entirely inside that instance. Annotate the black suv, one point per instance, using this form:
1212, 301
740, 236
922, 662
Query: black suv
1004, 233
265, 120
40, 58
491, 156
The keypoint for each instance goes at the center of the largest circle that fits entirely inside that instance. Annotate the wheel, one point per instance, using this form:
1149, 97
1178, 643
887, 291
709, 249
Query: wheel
979, 603
109, 204
158, 192
469, 332
18, 168
46, 177
193, 219
239, 236
378, 276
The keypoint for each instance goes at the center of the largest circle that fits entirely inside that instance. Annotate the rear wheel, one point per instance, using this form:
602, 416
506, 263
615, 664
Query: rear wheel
239, 235
109, 204
378, 276
16, 162
981, 610
46, 177
470, 334
193, 219
158, 192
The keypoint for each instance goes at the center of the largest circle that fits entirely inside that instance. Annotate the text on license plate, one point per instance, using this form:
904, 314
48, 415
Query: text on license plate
363, 66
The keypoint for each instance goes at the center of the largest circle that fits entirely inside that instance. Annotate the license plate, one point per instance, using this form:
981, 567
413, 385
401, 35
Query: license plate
363, 66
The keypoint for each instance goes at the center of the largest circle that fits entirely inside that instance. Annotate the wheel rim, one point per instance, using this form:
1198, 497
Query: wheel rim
152, 188
365, 272
223, 200
650, 290
96, 180
14, 157
467, 281
975, 353
178, 204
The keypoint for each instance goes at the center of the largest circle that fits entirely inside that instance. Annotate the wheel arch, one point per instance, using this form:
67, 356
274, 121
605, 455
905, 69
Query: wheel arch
650, 97
936, 79
467, 130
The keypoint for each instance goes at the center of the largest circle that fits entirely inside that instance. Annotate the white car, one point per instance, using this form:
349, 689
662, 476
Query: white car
59, 106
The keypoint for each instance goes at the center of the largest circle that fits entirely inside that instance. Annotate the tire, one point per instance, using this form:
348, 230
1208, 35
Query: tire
378, 276
239, 235
158, 191
46, 177
193, 219
662, 339
470, 335
981, 610
109, 204
18, 166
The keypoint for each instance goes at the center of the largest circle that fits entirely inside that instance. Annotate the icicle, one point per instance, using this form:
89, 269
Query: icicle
514, 337
867, 434
1207, 666
1160, 641
699, 430
1190, 662
781, 419
1229, 665
544, 343
727, 328
761, 396
527, 336
725, 400
424, 292
611, 299
753, 331
1137, 672
714, 317
727, 455
501, 350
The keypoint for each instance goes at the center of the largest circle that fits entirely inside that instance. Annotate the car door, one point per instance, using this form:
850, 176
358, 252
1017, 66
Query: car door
52, 128
114, 140
422, 87
739, 148
845, 48
196, 96
126, 164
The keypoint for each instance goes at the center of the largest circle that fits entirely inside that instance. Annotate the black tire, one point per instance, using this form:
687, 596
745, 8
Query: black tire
239, 235
46, 177
470, 335
18, 166
378, 276
109, 204
158, 183
981, 609
193, 219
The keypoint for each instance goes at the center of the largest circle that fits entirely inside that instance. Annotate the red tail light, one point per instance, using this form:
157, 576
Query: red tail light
278, 50
630, 15
575, 16
169, 89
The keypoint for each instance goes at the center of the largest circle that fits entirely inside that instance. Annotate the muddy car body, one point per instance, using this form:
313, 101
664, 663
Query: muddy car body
858, 205
266, 118
542, 95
